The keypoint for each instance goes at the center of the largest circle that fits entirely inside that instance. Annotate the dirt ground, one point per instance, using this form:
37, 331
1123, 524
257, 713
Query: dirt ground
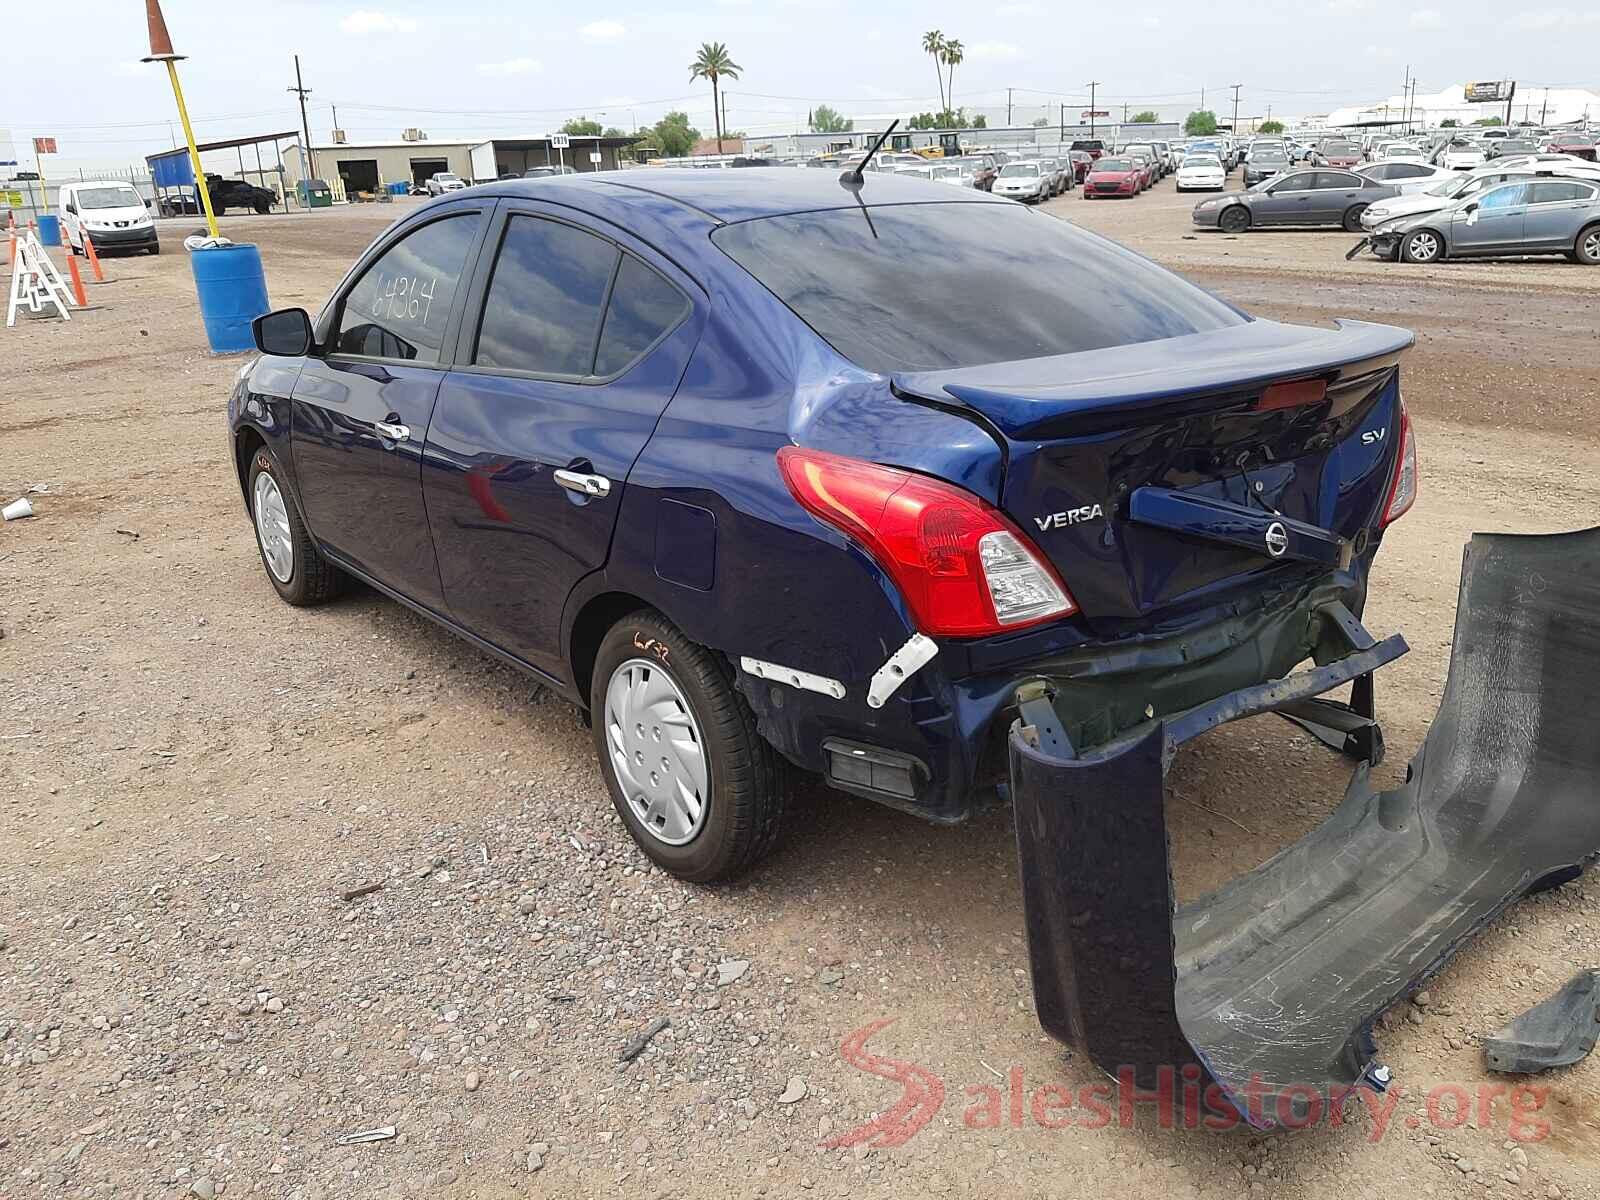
192, 774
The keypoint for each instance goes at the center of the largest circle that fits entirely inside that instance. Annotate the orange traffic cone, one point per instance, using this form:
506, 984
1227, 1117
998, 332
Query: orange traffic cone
94, 259
77, 280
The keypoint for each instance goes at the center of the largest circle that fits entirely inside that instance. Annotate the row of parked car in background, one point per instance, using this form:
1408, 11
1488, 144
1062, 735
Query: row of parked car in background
1417, 200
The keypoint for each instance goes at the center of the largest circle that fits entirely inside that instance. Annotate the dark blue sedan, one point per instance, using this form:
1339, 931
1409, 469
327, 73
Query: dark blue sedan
764, 470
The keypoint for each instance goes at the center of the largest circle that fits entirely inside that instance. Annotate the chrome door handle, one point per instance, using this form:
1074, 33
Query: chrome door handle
584, 485
395, 433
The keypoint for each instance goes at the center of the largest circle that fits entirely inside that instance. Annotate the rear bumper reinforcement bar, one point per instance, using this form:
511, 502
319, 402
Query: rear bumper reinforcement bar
1271, 985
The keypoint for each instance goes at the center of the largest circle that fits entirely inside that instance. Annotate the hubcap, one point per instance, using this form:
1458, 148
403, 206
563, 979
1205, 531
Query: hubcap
272, 528
1424, 246
656, 751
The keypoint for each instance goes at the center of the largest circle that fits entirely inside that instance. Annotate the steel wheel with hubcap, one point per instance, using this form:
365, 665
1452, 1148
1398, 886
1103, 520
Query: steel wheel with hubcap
272, 528
657, 751
1421, 246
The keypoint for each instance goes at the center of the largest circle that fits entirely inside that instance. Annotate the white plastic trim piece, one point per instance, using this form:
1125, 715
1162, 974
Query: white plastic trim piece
902, 665
804, 680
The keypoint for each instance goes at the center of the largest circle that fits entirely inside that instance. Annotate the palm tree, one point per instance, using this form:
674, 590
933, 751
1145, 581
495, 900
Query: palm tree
933, 43
714, 64
954, 52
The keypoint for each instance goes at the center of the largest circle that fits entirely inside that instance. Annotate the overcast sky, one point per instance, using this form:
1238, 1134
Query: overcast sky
471, 67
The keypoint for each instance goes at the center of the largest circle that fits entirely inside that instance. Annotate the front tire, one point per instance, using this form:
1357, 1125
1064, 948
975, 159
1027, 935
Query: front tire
1234, 219
295, 567
701, 792
1421, 246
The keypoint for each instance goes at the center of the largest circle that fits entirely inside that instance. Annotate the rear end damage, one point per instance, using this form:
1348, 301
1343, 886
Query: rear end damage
1272, 984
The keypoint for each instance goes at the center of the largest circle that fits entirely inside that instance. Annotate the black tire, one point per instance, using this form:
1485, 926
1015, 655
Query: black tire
155, 249
746, 779
312, 578
1352, 218
1234, 219
1586, 249
1421, 246
262, 207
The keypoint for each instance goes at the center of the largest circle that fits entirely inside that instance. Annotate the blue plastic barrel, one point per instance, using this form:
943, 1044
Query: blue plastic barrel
233, 292
49, 230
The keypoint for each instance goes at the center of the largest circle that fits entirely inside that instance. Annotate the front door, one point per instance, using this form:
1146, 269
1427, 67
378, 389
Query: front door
360, 411
1493, 221
1289, 200
566, 364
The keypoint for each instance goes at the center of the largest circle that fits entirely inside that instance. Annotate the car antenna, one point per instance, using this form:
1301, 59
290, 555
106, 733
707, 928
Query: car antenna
852, 177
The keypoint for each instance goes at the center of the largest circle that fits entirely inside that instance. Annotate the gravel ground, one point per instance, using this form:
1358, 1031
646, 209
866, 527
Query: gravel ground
197, 778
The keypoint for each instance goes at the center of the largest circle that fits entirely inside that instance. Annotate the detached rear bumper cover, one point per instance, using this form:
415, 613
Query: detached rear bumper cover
1272, 984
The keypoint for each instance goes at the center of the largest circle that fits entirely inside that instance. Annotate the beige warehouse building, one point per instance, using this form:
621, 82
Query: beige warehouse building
368, 166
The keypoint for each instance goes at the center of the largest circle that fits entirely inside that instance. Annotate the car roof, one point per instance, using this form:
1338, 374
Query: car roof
744, 193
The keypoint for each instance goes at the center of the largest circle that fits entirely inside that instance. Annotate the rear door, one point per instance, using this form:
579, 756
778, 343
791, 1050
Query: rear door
573, 344
1557, 209
360, 412
1336, 192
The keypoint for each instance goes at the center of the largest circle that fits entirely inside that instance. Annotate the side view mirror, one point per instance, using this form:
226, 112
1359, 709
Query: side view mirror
286, 333
1471, 208
73, 209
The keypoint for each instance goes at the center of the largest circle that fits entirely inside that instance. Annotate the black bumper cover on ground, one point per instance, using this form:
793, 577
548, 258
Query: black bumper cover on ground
1272, 984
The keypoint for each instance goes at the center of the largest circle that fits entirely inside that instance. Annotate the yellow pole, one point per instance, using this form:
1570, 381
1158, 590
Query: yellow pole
194, 154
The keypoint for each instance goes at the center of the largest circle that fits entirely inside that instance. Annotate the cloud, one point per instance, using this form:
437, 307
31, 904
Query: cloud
1427, 18
1347, 7
1019, 10
1554, 18
1150, 22
603, 31
512, 66
369, 20
994, 51
1380, 51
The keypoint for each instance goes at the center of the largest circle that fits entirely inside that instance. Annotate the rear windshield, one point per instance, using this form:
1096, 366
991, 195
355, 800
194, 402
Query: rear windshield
1005, 283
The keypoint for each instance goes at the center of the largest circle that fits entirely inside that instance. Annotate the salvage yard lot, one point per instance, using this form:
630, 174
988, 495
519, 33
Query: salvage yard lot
194, 774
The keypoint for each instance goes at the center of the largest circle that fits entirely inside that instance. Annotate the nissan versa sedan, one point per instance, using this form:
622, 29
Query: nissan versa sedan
1526, 217
1304, 198
734, 464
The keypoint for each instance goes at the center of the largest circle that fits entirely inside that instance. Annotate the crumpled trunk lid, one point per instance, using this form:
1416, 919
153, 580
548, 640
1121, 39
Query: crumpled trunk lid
1154, 474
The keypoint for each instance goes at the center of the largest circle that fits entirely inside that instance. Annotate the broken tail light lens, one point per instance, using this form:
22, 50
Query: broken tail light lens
1403, 490
963, 568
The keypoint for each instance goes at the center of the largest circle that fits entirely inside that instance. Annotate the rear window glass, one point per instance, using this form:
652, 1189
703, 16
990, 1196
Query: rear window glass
1004, 284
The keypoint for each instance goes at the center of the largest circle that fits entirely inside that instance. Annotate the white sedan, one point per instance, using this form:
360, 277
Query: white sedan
1202, 173
1024, 181
1461, 156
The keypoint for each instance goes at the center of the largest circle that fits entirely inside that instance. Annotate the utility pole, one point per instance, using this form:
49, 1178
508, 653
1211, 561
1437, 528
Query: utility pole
309, 158
1008, 108
335, 108
1236, 87
1093, 83
1124, 112
1544, 109
1405, 92
1062, 136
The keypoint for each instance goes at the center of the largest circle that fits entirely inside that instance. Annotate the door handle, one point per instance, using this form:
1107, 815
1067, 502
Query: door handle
584, 485
394, 432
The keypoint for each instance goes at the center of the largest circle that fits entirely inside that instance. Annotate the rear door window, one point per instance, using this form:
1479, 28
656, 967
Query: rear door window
401, 304
1005, 284
1336, 180
644, 308
545, 300
1552, 192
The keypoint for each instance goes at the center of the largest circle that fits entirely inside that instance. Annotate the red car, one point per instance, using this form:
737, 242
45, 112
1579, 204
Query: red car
1337, 153
1094, 147
1114, 177
1082, 163
1579, 145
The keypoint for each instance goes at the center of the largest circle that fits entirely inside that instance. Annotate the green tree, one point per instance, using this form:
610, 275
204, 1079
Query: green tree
980, 122
1200, 123
1449, 123
1041, 122
827, 120
933, 43
581, 127
713, 63
1270, 127
1147, 117
954, 55
672, 135
613, 131
1488, 121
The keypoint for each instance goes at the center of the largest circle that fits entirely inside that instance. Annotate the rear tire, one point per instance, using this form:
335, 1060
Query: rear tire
1352, 218
156, 249
1234, 219
702, 793
1586, 249
295, 567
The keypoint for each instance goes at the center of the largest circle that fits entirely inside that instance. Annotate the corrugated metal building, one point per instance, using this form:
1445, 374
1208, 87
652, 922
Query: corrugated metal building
366, 166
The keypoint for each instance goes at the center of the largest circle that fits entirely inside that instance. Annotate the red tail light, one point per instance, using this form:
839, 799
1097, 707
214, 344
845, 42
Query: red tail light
963, 568
1403, 487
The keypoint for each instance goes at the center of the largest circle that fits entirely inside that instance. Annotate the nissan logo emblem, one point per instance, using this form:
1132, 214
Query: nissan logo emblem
1277, 539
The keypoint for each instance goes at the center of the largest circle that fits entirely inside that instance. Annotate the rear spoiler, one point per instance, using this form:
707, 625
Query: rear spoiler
1043, 397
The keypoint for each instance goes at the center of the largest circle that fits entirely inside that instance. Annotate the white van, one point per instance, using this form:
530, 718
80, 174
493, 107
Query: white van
113, 213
